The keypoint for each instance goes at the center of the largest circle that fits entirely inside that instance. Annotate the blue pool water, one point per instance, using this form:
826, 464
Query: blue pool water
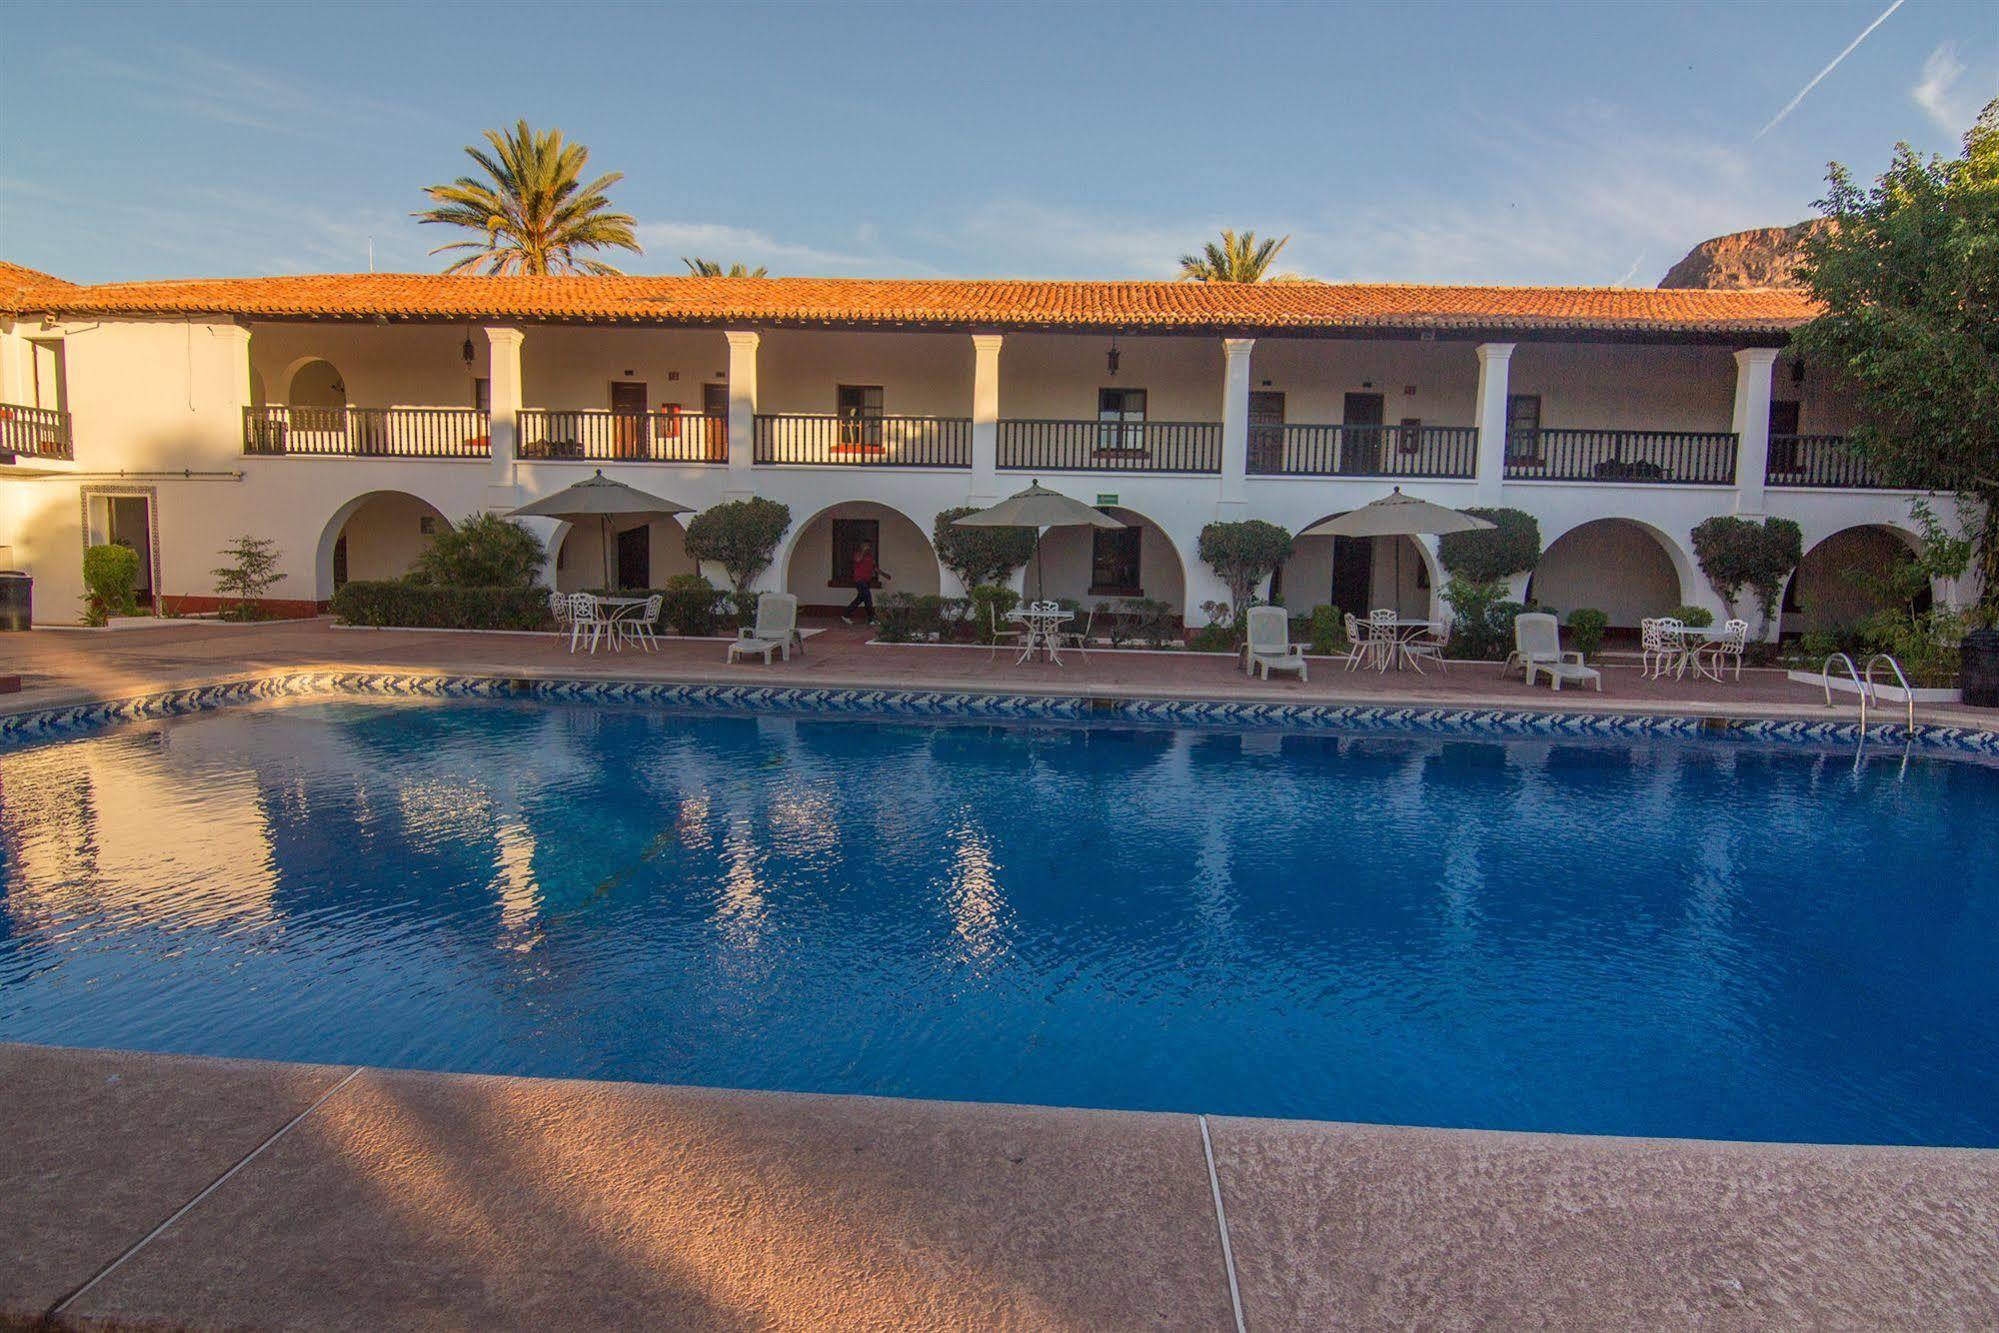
1694, 938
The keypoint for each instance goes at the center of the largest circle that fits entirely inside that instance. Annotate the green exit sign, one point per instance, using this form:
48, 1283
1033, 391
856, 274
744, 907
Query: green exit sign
1106, 500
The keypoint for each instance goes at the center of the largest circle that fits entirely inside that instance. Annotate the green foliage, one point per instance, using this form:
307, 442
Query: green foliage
1488, 555
1737, 553
979, 555
1244, 553
110, 582
709, 268
690, 605
399, 602
908, 617
1695, 617
1214, 637
1481, 618
482, 551
1239, 258
1908, 276
1143, 620
1586, 627
532, 213
252, 569
1327, 630
741, 536
990, 602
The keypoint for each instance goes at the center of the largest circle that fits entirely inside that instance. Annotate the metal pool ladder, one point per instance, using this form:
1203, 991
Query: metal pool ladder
1865, 684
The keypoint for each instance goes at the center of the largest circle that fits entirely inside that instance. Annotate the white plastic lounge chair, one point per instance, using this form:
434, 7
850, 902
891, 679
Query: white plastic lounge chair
586, 619
1270, 646
1537, 637
777, 624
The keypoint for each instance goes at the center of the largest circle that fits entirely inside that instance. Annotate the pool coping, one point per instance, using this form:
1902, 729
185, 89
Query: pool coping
44, 721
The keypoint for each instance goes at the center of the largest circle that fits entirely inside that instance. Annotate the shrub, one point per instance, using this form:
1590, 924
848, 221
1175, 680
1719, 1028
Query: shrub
1326, 628
1737, 553
482, 551
249, 575
979, 555
1244, 554
1696, 617
1586, 627
400, 603
990, 602
1214, 638
1141, 619
690, 605
1472, 602
741, 536
1490, 555
908, 617
110, 582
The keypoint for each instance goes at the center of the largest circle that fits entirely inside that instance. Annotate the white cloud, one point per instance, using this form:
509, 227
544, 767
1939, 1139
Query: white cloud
1950, 107
668, 242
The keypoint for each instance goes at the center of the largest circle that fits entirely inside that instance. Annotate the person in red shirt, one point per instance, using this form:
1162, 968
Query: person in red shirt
866, 571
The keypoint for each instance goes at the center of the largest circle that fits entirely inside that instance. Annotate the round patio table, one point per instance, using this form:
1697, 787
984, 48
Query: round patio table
1693, 638
1042, 622
1396, 649
622, 611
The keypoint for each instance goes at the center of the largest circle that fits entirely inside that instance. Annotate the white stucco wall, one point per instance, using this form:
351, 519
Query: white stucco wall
1616, 567
905, 554
385, 536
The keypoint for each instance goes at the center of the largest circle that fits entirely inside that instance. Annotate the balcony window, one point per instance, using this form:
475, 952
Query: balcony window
1114, 562
859, 407
1523, 427
1121, 423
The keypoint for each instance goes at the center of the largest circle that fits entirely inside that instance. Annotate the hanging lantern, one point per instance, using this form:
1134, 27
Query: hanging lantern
468, 351
1110, 357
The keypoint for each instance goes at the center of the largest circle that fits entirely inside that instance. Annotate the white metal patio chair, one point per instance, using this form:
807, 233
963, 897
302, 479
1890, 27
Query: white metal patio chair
777, 625
1658, 648
1729, 647
586, 619
558, 607
1537, 636
638, 627
1078, 637
1383, 637
996, 636
1358, 646
1428, 646
1270, 646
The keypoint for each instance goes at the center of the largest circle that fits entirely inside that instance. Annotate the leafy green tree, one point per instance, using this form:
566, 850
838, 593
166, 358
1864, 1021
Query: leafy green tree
708, 268
1490, 555
482, 551
1236, 258
979, 555
741, 536
1909, 279
1244, 553
252, 569
1737, 553
533, 213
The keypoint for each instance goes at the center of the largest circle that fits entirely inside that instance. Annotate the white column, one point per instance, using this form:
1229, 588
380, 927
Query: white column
503, 391
985, 418
1235, 427
1752, 426
1495, 363
742, 411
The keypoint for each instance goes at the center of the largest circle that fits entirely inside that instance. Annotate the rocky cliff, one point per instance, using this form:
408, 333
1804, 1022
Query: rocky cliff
1761, 257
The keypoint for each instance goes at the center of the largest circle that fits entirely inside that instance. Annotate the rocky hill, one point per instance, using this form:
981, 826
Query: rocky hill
1761, 257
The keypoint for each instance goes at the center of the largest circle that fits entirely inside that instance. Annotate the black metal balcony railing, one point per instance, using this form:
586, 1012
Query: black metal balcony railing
367, 432
600, 436
38, 432
1646, 457
1819, 460
1110, 446
1363, 451
835, 441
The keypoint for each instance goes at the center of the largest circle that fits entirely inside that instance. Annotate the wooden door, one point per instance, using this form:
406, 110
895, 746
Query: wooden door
1353, 574
715, 420
628, 424
635, 557
1362, 414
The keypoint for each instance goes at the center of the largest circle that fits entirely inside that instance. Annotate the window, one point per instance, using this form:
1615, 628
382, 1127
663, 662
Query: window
482, 393
1121, 421
51, 392
1114, 562
1523, 426
1409, 439
859, 407
848, 534
426, 525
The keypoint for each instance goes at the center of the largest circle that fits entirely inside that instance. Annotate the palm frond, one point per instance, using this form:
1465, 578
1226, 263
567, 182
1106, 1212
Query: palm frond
532, 210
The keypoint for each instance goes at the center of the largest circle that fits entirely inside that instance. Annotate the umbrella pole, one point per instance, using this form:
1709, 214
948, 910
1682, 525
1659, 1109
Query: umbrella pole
604, 548
1040, 573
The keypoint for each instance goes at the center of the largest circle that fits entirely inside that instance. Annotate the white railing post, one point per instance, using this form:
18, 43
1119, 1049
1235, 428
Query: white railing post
742, 411
1495, 363
985, 418
1235, 427
503, 417
1753, 366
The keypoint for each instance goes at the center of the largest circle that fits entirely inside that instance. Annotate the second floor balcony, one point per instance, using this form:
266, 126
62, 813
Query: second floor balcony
863, 440
1623, 457
580, 435
367, 432
1444, 452
1822, 461
1110, 446
34, 432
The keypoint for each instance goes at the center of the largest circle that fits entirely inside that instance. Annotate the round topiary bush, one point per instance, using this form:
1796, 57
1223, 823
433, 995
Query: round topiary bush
1489, 555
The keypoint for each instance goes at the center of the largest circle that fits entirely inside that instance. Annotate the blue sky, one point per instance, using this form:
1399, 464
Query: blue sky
1575, 143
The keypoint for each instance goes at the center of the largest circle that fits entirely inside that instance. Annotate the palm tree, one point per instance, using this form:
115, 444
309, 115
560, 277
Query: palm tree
532, 212
708, 268
1237, 259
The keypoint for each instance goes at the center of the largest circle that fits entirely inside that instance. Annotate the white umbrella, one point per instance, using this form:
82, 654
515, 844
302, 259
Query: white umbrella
1397, 515
1038, 507
599, 497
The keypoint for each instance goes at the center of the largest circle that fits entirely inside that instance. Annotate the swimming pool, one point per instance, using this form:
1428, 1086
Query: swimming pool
1634, 936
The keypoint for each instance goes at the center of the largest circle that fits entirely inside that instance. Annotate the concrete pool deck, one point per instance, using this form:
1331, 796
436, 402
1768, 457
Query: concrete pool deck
147, 1190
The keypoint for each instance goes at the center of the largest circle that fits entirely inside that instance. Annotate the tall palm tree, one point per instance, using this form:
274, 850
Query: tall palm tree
708, 268
1237, 259
532, 212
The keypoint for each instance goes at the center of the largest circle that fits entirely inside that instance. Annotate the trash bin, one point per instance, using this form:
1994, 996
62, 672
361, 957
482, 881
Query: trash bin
17, 599
1978, 668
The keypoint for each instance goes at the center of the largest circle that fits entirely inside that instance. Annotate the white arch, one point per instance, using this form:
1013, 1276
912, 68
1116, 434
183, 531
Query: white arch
290, 377
780, 565
560, 530
1910, 539
329, 533
1685, 570
1426, 547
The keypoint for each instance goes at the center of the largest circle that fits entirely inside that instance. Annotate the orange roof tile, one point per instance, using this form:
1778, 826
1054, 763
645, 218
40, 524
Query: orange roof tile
17, 282
954, 303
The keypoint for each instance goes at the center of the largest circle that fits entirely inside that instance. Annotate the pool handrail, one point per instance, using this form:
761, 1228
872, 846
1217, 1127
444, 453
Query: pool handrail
1908, 694
1825, 680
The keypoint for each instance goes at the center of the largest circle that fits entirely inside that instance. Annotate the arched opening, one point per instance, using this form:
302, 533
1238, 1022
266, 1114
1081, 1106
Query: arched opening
1843, 580
1097, 565
375, 536
317, 384
644, 553
1356, 574
1618, 566
818, 569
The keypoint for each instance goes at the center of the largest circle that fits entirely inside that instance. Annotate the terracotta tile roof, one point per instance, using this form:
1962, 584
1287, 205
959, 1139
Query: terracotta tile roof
17, 283
977, 303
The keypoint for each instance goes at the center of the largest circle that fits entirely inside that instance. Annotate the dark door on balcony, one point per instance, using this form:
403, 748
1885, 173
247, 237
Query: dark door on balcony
628, 405
1266, 431
1366, 411
859, 407
635, 557
1353, 574
715, 419
1783, 435
130, 523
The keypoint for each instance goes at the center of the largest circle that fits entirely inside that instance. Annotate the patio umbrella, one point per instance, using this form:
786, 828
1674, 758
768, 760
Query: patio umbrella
1039, 508
1397, 515
601, 498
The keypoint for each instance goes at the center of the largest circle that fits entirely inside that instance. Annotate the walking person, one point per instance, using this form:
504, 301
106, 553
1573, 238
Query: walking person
866, 571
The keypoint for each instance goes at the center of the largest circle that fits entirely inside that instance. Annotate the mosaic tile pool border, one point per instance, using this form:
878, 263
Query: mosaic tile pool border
58, 722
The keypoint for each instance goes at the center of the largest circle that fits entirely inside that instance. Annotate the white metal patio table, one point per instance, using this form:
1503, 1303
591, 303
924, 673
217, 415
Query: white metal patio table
622, 611
1396, 649
1690, 640
1042, 623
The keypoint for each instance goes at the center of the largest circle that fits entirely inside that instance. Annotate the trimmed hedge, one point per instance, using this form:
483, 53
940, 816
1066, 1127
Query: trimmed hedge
394, 603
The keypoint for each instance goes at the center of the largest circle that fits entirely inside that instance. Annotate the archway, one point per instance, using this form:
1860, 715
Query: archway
1841, 580
1626, 569
316, 383
644, 553
818, 565
1358, 574
1097, 565
374, 536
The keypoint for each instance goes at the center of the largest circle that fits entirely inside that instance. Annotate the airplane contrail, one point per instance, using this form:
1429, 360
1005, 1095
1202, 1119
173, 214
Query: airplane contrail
1792, 105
